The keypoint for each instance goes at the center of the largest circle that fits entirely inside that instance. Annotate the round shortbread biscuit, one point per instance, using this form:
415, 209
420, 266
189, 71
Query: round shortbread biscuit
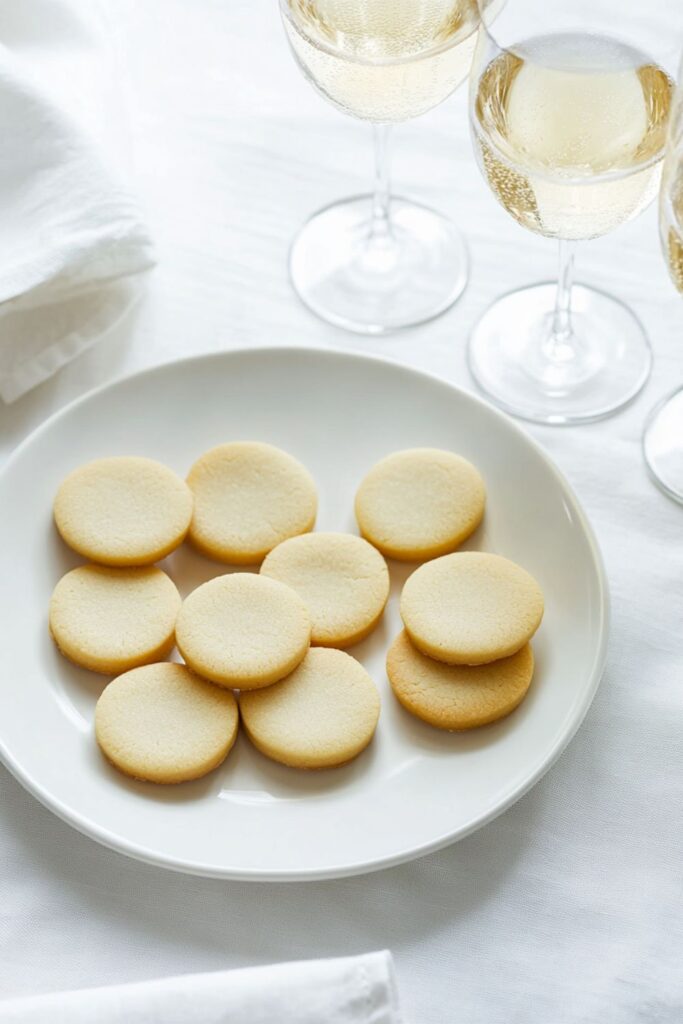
420, 503
111, 620
123, 510
162, 723
323, 715
457, 697
243, 630
248, 498
343, 580
471, 608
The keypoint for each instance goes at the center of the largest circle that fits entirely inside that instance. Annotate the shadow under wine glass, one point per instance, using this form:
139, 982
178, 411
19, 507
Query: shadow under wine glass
375, 263
569, 119
663, 436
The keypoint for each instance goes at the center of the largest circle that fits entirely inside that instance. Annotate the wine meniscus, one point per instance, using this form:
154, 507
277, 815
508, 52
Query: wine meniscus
383, 60
570, 132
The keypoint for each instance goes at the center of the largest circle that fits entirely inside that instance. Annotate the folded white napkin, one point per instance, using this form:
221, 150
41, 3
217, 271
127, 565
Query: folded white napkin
72, 240
352, 990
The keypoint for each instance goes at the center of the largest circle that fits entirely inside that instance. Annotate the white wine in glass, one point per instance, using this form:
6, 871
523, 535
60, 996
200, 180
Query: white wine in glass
569, 126
387, 60
375, 263
572, 155
663, 437
671, 214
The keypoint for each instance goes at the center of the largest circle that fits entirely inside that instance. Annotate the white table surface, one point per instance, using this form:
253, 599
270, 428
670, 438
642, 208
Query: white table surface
566, 908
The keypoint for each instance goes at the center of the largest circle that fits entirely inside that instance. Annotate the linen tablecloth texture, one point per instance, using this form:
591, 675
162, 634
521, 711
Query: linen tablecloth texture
351, 990
567, 908
72, 241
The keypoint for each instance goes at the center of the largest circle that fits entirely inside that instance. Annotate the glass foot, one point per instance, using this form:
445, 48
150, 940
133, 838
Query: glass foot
377, 284
600, 367
663, 445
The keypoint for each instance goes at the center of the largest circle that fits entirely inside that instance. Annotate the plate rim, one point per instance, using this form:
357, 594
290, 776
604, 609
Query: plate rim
152, 857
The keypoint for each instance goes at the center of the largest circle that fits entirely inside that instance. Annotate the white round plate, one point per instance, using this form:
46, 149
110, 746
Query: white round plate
414, 789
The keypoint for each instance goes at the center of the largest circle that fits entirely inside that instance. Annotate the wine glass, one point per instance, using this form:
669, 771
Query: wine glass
663, 437
375, 263
569, 105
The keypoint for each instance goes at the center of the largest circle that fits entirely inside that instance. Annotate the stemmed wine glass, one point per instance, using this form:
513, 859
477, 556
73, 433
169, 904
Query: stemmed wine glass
374, 263
663, 437
568, 108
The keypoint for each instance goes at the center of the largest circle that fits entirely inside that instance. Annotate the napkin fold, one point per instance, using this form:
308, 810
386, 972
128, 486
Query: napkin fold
73, 243
352, 990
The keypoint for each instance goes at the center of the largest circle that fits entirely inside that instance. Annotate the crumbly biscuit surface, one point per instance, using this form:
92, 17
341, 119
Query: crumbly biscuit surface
471, 607
342, 578
249, 497
323, 715
243, 630
123, 510
161, 723
420, 503
111, 620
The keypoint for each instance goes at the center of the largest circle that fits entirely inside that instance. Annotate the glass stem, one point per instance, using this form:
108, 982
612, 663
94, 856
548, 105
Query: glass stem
560, 344
380, 222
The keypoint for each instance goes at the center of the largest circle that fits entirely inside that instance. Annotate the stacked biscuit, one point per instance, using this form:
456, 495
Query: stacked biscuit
463, 659
251, 633
275, 638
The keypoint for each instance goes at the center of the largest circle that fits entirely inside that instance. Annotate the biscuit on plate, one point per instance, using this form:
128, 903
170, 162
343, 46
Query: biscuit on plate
457, 697
111, 620
420, 503
243, 630
343, 580
471, 608
162, 723
249, 497
123, 510
321, 716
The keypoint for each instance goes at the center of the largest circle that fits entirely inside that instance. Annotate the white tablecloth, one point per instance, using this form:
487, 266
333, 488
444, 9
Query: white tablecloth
565, 909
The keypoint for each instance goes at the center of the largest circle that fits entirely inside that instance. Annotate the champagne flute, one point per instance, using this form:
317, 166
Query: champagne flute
375, 263
663, 437
569, 105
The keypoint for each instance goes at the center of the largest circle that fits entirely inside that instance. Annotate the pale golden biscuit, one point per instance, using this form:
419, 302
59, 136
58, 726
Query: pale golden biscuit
111, 620
123, 510
248, 498
457, 697
420, 503
321, 716
471, 608
243, 630
162, 723
343, 580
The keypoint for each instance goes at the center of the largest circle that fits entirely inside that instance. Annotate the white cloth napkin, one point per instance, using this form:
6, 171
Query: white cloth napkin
72, 240
352, 990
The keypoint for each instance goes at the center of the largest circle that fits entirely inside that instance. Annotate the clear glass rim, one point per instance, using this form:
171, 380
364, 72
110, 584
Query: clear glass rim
434, 51
486, 28
645, 437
